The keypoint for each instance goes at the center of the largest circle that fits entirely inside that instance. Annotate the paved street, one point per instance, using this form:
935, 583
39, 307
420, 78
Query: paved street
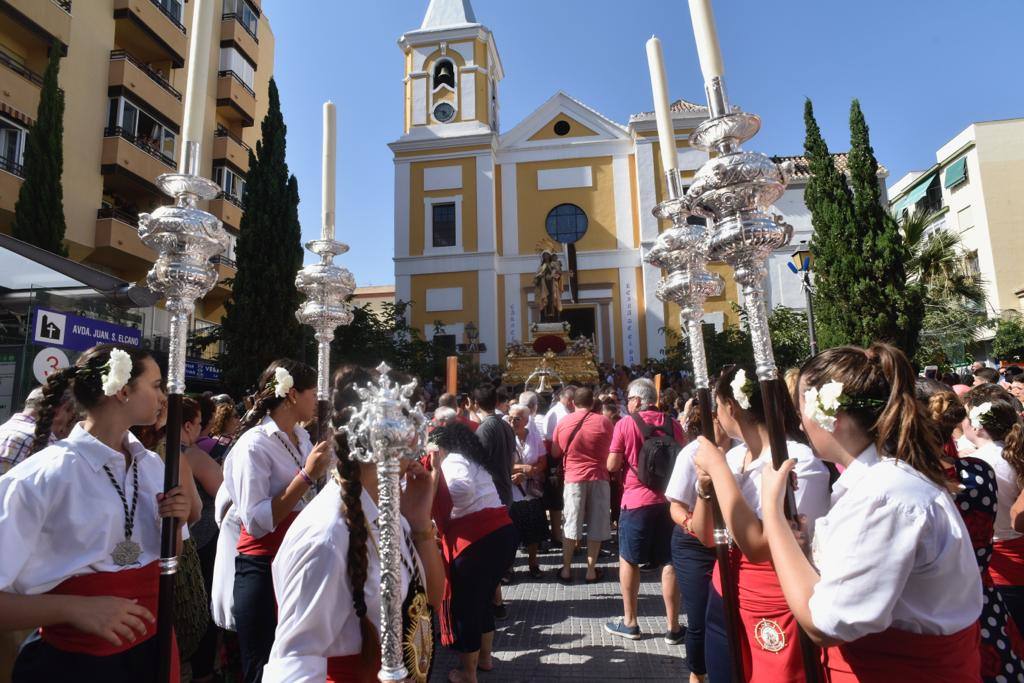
556, 632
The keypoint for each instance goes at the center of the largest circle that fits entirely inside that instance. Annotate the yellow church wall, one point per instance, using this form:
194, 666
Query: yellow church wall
417, 217
597, 201
419, 284
719, 304
408, 91
576, 129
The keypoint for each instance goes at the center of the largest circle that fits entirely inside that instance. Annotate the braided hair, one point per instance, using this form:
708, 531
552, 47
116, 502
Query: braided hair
344, 401
264, 399
84, 379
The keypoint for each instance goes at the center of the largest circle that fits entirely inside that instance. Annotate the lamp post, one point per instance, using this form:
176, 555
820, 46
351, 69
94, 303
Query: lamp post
801, 263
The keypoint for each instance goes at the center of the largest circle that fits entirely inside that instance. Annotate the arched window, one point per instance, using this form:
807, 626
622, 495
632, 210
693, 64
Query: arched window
444, 74
566, 223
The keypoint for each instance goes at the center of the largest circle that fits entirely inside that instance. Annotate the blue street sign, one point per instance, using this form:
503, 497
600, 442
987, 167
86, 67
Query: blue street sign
201, 370
53, 328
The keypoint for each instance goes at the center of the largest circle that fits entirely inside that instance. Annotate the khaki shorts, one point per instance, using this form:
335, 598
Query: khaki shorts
587, 502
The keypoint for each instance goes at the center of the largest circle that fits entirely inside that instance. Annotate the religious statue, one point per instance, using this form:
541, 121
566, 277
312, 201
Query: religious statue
547, 287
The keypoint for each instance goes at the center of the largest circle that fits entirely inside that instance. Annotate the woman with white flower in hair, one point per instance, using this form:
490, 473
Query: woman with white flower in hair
769, 635
269, 475
892, 592
995, 428
80, 528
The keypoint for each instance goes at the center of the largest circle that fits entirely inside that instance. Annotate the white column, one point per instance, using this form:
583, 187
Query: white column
487, 280
419, 100
403, 292
509, 211
514, 315
630, 317
654, 312
646, 187
486, 216
467, 95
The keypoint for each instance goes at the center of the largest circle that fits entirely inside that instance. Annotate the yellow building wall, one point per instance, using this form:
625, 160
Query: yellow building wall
483, 105
417, 217
608, 277
597, 201
467, 280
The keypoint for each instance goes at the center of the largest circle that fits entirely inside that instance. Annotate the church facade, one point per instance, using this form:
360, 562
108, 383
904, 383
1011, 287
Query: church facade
475, 206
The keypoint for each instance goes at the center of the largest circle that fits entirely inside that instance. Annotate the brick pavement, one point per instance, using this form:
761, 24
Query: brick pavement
556, 632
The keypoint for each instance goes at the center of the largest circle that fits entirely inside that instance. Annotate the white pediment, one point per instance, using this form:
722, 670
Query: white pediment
562, 104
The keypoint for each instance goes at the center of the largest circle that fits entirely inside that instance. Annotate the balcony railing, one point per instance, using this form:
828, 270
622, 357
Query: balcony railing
118, 215
241, 20
237, 201
146, 69
64, 5
19, 68
12, 167
119, 132
224, 261
238, 78
167, 13
223, 132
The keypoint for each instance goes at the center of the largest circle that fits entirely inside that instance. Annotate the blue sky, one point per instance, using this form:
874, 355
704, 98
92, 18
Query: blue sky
923, 70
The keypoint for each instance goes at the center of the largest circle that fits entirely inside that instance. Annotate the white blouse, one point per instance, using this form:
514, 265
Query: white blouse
262, 464
222, 593
812, 494
1007, 491
682, 485
528, 452
892, 552
315, 613
60, 516
470, 485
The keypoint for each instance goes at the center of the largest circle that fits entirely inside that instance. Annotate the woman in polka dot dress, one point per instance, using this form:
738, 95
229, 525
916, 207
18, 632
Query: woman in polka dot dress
974, 484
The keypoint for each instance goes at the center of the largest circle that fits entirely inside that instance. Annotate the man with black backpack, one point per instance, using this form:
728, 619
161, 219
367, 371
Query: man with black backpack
646, 444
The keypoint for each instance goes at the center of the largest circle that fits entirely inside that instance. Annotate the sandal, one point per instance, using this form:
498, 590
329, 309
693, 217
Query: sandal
561, 579
598, 575
535, 572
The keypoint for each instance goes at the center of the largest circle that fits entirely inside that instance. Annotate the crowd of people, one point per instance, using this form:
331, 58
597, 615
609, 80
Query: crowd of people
891, 538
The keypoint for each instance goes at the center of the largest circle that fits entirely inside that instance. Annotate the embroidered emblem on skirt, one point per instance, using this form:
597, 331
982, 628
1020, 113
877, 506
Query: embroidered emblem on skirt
770, 636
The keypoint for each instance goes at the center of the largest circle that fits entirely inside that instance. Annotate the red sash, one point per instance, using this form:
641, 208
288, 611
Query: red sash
349, 669
141, 584
895, 655
1007, 565
267, 544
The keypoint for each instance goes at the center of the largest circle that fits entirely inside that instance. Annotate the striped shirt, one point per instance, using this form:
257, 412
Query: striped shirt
16, 436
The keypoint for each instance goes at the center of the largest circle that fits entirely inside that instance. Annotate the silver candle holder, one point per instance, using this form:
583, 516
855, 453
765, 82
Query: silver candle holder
386, 430
185, 238
327, 288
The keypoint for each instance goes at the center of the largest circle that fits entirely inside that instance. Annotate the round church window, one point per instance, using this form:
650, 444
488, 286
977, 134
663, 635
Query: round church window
566, 223
562, 128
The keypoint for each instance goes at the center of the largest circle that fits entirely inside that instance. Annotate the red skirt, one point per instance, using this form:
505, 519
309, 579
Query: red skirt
895, 655
141, 584
350, 669
1007, 565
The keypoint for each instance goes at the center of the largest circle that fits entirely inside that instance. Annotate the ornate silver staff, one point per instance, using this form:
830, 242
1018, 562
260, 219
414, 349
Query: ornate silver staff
185, 239
386, 430
327, 287
736, 189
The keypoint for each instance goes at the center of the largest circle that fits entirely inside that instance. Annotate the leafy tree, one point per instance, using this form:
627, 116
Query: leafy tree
1008, 343
39, 210
260, 324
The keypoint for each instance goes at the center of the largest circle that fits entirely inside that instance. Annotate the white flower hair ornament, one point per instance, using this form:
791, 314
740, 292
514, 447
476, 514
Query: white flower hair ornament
978, 414
117, 372
822, 404
742, 389
283, 382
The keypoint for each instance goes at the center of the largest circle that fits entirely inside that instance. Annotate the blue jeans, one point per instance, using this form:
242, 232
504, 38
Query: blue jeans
716, 642
255, 611
693, 563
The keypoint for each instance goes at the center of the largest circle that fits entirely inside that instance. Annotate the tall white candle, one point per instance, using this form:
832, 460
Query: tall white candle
329, 168
662, 112
706, 36
200, 44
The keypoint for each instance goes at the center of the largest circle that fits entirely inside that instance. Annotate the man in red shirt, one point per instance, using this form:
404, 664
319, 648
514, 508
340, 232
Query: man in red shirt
645, 524
450, 401
582, 438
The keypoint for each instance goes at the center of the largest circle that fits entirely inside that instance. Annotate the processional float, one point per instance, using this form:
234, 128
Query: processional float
733, 191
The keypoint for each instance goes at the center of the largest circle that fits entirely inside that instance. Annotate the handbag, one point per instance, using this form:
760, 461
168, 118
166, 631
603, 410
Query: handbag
191, 606
558, 470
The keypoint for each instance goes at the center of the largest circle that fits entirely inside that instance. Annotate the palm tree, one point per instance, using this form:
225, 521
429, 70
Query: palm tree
954, 300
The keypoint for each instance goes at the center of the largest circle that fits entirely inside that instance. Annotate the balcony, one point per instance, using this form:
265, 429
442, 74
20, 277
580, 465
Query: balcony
46, 18
149, 86
118, 245
148, 31
11, 175
233, 30
124, 152
228, 209
20, 87
235, 99
227, 147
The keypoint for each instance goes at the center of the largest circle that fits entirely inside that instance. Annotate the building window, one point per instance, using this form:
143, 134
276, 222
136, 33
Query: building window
12, 145
444, 74
562, 128
126, 119
232, 60
230, 182
244, 14
973, 265
956, 174
566, 223
443, 221
171, 8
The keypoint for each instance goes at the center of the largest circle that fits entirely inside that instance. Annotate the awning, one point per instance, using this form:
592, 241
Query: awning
913, 196
956, 173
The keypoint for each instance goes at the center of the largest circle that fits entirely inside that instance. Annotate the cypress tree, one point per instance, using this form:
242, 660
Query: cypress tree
39, 211
260, 324
886, 306
830, 202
